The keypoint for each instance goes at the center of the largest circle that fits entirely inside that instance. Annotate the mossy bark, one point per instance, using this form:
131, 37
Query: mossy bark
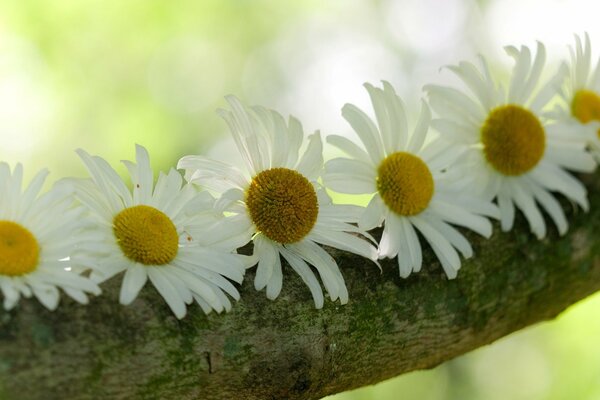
285, 349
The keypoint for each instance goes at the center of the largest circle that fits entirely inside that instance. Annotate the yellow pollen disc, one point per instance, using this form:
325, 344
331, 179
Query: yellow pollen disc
282, 204
513, 140
146, 235
586, 106
405, 184
19, 250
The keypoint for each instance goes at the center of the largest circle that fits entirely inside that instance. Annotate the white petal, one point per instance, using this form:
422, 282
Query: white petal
455, 238
474, 80
344, 241
295, 137
224, 302
366, 130
459, 216
267, 254
63, 278
524, 200
581, 60
189, 272
454, 131
420, 133
548, 91
11, 295
573, 159
519, 73
203, 304
441, 155
405, 264
595, 77
77, 295
323, 262
212, 174
276, 131
311, 163
33, 189
109, 267
344, 183
398, 121
552, 207
555, 178
453, 104
413, 244
275, 282
535, 72
348, 147
245, 134
200, 287
21, 286
229, 265
167, 189
344, 175
180, 202
347, 213
167, 291
100, 179
91, 198
307, 275
507, 211
389, 244
440, 245
134, 280
178, 278
143, 179
47, 295
390, 133
114, 180
373, 215
479, 206
228, 198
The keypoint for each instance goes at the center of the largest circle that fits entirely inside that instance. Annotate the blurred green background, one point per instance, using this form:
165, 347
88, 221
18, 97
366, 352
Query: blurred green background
103, 75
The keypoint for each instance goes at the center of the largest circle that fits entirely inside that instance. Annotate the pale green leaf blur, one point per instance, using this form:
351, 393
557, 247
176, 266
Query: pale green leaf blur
103, 75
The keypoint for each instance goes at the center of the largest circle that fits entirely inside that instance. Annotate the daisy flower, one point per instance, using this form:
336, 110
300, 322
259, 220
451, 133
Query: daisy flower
579, 110
516, 156
38, 234
412, 189
279, 202
161, 233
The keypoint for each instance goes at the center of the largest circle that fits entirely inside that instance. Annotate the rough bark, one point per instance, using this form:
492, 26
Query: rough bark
285, 348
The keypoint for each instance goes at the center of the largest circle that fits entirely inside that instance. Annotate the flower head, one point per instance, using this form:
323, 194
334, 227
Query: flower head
411, 186
279, 202
578, 113
515, 155
161, 232
38, 235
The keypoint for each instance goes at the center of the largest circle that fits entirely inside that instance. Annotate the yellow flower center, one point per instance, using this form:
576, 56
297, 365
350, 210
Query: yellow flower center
146, 235
586, 107
19, 250
513, 140
282, 204
405, 183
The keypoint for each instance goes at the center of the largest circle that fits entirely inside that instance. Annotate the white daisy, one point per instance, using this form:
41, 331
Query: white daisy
161, 232
279, 201
411, 186
578, 112
515, 156
38, 234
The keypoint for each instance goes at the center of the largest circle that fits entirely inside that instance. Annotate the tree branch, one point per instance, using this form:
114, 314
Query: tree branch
285, 348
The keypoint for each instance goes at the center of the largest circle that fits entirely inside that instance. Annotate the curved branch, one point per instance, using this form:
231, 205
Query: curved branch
285, 348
